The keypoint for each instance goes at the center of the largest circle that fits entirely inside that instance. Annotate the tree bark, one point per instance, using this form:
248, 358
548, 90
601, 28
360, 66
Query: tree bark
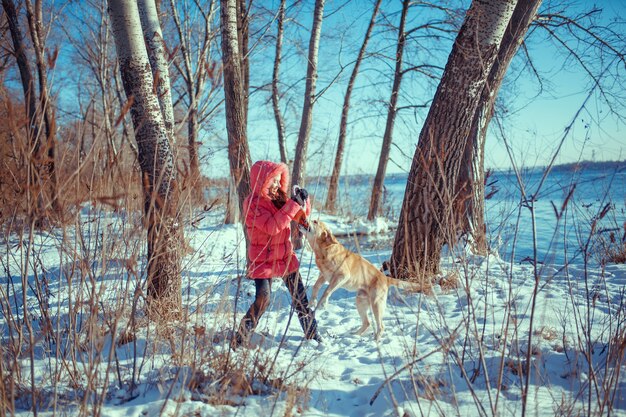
158, 62
333, 186
299, 163
427, 215
471, 182
156, 161
238, 151
280, 123
379, 179
242, 36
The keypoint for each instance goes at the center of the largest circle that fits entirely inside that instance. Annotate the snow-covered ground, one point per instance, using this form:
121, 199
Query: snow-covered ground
457, 351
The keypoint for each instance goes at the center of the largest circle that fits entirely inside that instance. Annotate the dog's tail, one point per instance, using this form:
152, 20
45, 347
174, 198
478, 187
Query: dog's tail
405, 285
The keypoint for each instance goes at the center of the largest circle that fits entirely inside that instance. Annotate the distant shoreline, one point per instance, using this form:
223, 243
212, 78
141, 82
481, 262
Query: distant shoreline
616, 166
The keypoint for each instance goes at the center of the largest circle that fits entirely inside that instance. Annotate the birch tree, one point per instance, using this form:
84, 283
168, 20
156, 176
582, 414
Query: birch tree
156, 161
470, 193
377, 187
299, 163
427, 212
331, 197
238, 151
158, 62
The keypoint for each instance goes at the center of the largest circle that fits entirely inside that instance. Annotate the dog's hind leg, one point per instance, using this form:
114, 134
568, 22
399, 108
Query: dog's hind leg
378, 308
362, 306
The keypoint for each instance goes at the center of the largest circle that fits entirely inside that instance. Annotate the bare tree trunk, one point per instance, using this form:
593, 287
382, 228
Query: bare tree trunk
379, 179
280, 123
156, 160
103, 76
32, 128
331, 197
427, 214
158, 62
471, 182
48, 172
232, 209
243, 23
299, 163
238, 151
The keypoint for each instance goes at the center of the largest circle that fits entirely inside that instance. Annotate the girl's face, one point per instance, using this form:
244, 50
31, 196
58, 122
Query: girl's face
274, 185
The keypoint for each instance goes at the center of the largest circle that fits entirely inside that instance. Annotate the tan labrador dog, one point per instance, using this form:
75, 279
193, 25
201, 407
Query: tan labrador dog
341, 268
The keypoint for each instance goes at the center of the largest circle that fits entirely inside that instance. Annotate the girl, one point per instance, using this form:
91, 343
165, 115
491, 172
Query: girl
268, 214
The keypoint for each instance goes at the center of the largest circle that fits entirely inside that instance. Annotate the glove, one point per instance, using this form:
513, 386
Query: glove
299, 195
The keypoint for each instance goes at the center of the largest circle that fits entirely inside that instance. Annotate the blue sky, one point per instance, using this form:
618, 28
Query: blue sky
534, 125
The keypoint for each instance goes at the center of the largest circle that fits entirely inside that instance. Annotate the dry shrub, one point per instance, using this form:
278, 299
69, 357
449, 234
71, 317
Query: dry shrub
449, 282
89, 169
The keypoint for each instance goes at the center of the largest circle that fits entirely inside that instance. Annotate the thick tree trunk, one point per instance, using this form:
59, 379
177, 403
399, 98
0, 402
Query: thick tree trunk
238, 151
299, 163
158, 62
278, 116
35, 22
379, 179
471, 182
156, 161
333, 186
427, 216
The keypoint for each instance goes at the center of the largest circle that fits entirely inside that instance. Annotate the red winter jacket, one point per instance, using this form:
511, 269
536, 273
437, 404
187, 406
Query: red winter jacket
270, 252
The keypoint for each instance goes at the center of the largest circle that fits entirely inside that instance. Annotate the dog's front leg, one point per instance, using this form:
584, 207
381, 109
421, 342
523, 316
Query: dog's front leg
334, 283
316, 288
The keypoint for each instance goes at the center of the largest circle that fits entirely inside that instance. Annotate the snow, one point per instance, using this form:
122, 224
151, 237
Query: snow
442, 353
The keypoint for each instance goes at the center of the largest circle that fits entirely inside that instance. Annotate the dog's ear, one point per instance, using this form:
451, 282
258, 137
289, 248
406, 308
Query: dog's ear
324, 236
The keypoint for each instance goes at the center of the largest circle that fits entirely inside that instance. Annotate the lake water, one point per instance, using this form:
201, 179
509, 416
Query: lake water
557, 239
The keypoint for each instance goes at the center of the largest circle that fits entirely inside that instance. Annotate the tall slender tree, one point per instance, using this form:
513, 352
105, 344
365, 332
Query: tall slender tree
243, 35
156, 161
278, 116
427, 213
392, 111
238, 151
299, 163
331, 197
470, 194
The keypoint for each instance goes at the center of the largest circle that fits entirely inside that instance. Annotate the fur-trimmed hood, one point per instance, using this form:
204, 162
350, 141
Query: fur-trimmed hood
262, 173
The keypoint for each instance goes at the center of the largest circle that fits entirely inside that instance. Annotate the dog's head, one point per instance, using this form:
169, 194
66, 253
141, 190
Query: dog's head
318, 234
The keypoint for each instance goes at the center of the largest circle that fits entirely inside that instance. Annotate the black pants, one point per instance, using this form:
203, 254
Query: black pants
299, 302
